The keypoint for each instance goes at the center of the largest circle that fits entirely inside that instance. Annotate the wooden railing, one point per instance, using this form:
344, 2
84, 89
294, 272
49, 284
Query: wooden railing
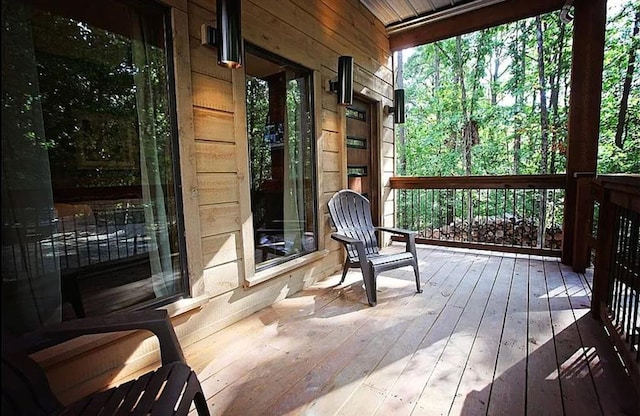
508, 213
616, 239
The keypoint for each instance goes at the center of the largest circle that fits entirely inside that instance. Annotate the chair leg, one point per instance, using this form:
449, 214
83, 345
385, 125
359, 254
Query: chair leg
369, 277
345, 269
416, 270
201, 405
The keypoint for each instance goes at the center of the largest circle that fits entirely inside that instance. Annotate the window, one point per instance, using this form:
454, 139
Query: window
90, 207
281, 145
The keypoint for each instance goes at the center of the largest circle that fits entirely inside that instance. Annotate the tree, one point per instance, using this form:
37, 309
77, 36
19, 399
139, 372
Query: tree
628, 79
542, 88
621, 41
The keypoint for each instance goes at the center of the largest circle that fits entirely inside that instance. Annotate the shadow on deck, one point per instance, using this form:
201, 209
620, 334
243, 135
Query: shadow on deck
493, 333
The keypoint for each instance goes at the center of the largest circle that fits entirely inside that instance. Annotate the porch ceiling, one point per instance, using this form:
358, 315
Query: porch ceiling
397, 14
416, 22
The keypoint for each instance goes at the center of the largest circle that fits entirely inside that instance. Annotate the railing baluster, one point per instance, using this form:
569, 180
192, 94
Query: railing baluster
634, 264
625, 274
484, 211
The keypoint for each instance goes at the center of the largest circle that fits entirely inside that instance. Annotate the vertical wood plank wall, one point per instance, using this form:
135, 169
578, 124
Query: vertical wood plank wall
214, 168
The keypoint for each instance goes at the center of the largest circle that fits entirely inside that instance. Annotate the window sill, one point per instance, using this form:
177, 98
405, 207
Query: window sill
185, 305
276, 271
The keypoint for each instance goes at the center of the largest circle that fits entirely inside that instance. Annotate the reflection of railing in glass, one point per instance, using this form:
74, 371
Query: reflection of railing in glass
76, 236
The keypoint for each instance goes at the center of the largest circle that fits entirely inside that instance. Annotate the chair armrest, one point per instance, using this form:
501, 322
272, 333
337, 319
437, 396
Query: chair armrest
359, 245
345, 240
156, 321
410, 235
397, 230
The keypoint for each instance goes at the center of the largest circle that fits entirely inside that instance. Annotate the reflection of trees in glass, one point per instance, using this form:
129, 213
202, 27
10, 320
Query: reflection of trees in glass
257, 113
86, 71
294, 122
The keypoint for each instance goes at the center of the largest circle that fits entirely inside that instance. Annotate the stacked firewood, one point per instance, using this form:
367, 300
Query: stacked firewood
553, 238
505, 231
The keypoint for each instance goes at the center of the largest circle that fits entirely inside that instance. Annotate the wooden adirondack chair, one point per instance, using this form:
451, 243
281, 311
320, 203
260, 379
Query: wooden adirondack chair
169, 390
350, 213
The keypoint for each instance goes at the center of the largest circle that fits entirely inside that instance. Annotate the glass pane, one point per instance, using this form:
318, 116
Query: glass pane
280, 131
89, 208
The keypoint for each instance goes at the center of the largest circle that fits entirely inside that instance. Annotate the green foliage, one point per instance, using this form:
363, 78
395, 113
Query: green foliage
619, 42
491, 78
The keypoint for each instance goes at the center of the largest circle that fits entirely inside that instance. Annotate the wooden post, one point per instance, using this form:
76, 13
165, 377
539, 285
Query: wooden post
606, 225
583, 224
584, 110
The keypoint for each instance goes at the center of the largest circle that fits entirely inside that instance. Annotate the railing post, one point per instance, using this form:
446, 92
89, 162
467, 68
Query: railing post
604, 249
584, 108
583, 222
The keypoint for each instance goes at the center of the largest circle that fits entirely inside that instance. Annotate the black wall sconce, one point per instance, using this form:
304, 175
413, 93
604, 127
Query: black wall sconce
344, 85
398, 109
227, 37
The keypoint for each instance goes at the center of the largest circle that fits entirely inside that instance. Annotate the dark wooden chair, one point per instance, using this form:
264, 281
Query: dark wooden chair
350, 214
168, 390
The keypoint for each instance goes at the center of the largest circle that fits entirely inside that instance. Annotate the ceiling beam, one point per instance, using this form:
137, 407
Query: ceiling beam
494, 15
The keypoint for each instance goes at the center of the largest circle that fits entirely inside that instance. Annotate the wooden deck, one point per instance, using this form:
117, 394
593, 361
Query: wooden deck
493, 333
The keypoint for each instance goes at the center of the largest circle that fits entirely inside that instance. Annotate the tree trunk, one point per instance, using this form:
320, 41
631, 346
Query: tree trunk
624, 101
436, 80
466, 148
555, 93
466, 142
519, 56
544, 116
544, 126
494, 80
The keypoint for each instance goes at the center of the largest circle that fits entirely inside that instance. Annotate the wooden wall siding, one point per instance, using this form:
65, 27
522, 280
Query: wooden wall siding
219, 249
211, 93
223, 278
319, 41
213, 125
204, 60
216, 160
331, 142
332, 162
346, 18
218, 188
219, 219
184, 93
215, 157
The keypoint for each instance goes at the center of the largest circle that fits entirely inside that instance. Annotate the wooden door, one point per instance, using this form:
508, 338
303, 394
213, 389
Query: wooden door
362, 152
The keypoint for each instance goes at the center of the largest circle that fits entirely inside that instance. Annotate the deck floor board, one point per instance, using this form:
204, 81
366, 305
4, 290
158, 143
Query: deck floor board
492, 334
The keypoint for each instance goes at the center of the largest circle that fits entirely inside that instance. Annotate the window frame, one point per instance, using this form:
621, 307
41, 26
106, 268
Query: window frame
254, 272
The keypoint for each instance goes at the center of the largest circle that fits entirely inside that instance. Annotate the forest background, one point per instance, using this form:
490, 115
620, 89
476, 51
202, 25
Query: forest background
495, 102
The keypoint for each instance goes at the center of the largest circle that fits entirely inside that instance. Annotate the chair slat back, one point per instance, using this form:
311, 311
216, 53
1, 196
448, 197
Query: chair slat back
350, 213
